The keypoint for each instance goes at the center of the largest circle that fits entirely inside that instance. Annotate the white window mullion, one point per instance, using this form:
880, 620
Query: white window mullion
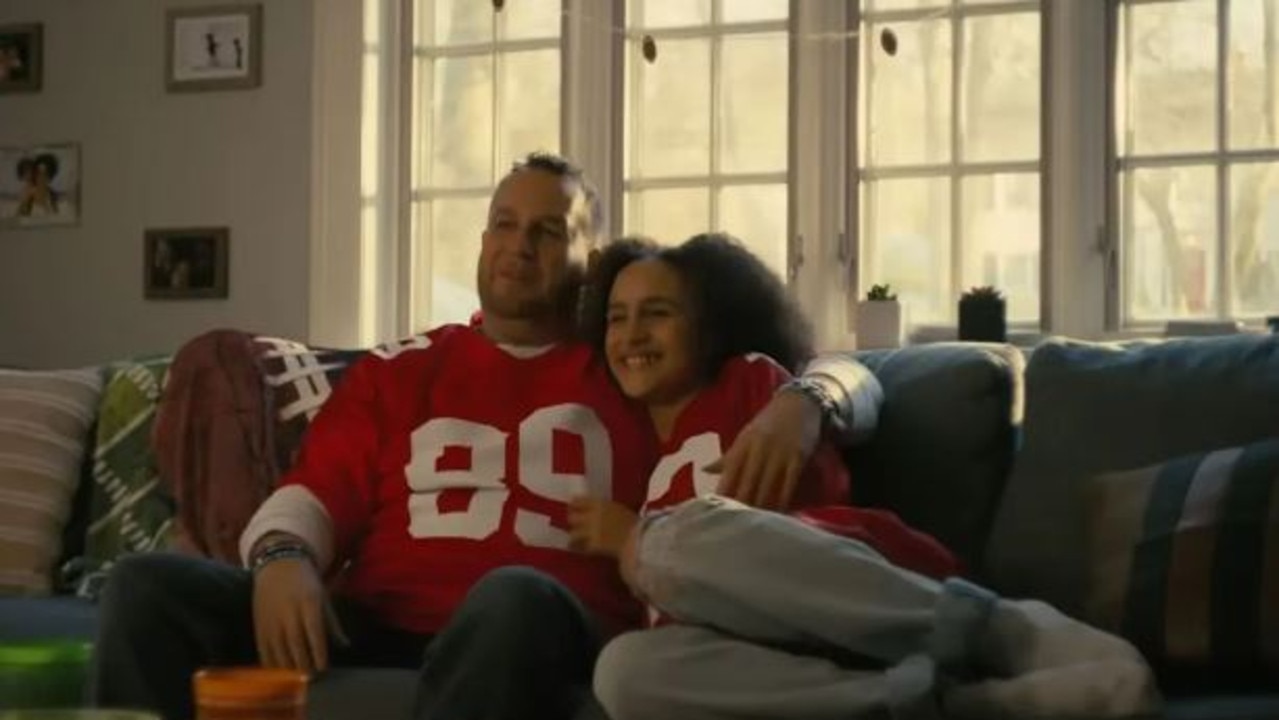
592, 79
957, 239
1077, 174
819, 162
1225, 268
716, 60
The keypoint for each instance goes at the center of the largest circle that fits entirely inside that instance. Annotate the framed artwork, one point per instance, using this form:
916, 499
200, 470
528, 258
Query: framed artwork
213, 48
186, 263
21, 58
40, 185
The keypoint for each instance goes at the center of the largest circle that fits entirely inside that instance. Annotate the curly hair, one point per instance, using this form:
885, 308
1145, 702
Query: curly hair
739, 305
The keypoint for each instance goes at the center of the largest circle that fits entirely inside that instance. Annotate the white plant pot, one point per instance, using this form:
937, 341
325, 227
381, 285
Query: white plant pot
880, 324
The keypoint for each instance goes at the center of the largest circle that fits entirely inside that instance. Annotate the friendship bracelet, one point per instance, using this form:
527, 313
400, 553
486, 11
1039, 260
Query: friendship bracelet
279, 551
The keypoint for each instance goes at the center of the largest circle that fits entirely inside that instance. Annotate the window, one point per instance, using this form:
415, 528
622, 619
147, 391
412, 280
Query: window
1197, 126
485, 91
1107, 165
706, 121
949, 152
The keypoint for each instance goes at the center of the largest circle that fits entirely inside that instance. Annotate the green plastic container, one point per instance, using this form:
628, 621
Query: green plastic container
43, 673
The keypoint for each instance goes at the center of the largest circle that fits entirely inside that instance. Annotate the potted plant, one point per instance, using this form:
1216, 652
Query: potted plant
982, 315
879, 319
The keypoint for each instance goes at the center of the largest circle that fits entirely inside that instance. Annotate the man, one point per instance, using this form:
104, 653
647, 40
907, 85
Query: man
431, 492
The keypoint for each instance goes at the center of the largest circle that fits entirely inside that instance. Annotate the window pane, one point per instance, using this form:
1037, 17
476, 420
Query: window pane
753, 110
757, 215
673, 117
1254, 74
668, 13
910, 95
458, 22
1254, 230
908, 245
1000, 88
524, 19
753, 10
1172, 77
1001, 239
668, 216
1170, 259
530, 111
462, 120
449, 269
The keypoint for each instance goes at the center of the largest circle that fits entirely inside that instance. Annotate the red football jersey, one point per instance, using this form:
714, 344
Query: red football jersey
446, 457
709, 424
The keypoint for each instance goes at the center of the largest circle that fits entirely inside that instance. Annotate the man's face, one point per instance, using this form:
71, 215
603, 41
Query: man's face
531, 260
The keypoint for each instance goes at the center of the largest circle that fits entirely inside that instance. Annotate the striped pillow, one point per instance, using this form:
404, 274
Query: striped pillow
44, 424
1184, 562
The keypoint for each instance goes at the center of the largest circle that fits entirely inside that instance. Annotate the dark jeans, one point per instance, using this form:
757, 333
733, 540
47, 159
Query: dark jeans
520, 646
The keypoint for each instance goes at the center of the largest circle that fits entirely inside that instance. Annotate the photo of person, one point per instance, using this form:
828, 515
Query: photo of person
39, 185
189, 263
20, 58
214, 49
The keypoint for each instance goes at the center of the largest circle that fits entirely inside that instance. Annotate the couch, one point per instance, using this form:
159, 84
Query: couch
994, 450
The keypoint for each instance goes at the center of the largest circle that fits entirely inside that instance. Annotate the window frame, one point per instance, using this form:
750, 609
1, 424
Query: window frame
955, 170
1078, 165
715, 179
1120, 167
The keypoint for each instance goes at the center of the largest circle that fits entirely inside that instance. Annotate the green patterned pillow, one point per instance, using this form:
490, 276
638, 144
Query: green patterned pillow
129, 510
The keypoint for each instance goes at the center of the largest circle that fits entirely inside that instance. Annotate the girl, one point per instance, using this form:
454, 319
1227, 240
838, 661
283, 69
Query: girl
703, 335
773, 618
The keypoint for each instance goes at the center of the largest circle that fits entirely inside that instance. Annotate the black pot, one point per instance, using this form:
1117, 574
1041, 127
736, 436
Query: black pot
983, 320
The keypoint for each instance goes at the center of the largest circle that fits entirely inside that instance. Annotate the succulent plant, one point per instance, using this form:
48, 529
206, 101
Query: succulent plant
881, 293
983, 293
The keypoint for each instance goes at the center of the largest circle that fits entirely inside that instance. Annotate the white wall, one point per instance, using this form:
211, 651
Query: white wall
241, 159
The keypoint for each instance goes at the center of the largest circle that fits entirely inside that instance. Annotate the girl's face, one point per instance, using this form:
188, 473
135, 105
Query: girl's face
649, 341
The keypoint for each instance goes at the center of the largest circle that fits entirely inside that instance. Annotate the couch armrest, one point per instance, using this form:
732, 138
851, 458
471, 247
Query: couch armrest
946, 437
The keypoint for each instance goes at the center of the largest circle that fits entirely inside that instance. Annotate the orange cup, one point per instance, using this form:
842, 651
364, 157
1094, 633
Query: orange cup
249, 693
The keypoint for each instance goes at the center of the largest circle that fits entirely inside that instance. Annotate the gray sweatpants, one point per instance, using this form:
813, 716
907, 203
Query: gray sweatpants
763, 603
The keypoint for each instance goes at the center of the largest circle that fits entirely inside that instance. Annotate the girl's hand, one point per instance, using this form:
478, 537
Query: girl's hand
599, 527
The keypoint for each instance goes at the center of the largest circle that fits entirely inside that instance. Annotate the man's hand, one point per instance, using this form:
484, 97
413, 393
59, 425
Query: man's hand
764, 465
291, 615
599, 527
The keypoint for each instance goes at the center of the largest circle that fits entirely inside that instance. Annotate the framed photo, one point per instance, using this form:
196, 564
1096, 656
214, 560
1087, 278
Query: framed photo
183, 263
213, 48
21, 58
40, 185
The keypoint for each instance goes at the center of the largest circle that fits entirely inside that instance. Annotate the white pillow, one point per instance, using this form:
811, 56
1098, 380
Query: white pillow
45, 418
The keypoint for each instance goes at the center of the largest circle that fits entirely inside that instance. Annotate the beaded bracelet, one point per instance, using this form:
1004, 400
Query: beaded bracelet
279, 551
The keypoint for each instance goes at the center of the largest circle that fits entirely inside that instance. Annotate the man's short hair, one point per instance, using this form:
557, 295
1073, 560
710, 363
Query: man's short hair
586, 215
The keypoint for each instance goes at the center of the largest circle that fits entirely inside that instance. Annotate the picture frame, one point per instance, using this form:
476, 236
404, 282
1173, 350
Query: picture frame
21, 58
213, 48
40, 185
186, 263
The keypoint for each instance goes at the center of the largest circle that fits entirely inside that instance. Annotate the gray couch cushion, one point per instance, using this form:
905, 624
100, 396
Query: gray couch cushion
61, 616
1093, 408
943, 449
